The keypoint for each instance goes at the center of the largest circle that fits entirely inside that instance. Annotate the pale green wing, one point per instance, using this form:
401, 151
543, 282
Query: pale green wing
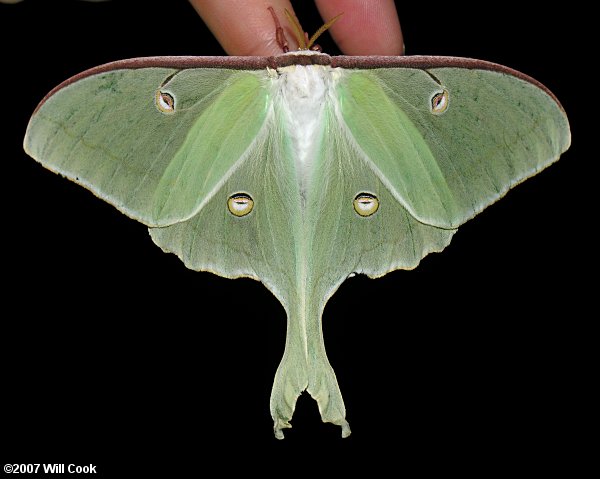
154, 142
260, 244
448, 141
342, 240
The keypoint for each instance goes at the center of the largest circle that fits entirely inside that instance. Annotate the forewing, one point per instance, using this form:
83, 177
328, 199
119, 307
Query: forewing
155, 142
446, 163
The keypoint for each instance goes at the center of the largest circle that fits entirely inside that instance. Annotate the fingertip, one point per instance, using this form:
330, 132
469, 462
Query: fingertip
367, 27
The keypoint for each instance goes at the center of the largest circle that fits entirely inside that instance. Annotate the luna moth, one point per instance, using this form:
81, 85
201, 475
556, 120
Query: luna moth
299, 170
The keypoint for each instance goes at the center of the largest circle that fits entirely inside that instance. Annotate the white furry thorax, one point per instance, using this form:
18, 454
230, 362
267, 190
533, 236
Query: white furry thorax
302, 92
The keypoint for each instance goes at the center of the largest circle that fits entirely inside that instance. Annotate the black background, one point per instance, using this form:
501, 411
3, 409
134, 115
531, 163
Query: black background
113, 353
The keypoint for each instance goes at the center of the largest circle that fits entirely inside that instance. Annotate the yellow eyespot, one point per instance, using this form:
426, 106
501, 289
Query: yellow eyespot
366, 204
439, 102
165, 102
240, 204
